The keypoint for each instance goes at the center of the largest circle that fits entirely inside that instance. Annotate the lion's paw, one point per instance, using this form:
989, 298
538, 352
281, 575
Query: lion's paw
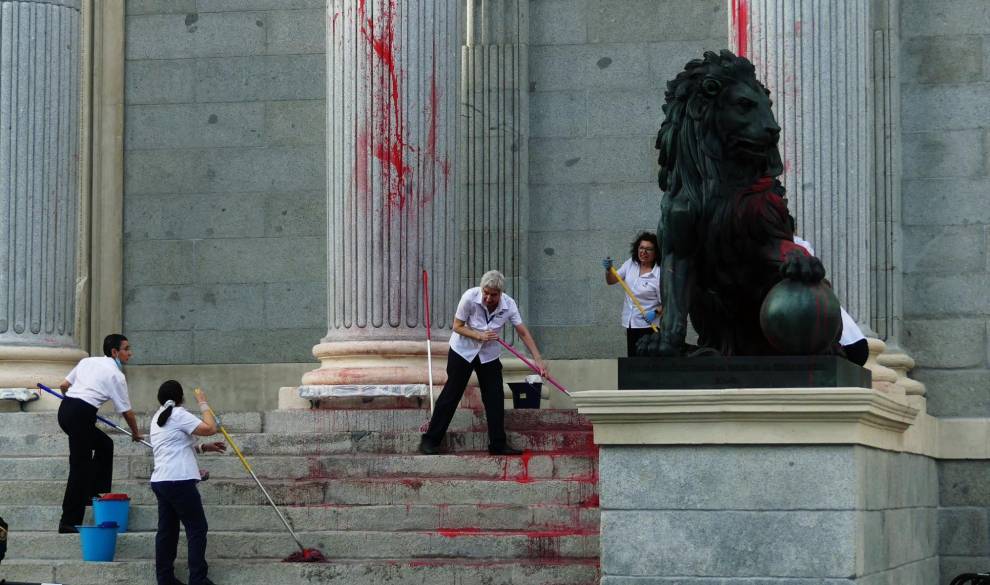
802, 268
654, 345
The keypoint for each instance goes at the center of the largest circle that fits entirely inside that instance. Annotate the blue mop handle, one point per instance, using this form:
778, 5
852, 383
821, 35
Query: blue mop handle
98, 417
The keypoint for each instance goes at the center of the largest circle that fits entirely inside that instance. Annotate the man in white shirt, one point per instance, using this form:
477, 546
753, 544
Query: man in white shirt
480, 315
94, 381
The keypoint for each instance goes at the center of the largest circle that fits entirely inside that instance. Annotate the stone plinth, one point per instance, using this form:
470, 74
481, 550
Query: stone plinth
740, 372
768, 485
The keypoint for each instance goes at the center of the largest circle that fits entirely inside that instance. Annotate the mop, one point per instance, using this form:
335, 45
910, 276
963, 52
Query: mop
632, 297
429, 350
105, 421
533, 366
303, 555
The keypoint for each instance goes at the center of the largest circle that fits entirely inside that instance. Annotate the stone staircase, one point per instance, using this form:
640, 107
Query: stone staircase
352, 485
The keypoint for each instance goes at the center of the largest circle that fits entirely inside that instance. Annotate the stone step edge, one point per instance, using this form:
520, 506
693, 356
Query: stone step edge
413, 561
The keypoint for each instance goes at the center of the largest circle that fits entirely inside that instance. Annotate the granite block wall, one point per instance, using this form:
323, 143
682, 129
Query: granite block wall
597, 72
775, 515
945, 93
224, 205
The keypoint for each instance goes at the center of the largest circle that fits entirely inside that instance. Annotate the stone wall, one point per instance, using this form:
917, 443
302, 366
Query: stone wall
945, 71
847, 514
597, 72
224, 228
963, 525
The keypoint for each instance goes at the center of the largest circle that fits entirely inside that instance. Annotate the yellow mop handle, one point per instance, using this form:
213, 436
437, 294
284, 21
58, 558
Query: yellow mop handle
632, 298
227, 436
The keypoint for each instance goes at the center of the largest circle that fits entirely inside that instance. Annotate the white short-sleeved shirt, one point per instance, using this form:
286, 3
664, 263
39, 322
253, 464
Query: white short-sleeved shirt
851, 333
95, 380
173, 445
475, 314
646, 289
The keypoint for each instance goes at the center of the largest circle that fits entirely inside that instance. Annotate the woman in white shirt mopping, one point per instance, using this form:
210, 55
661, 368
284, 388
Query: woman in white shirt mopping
642, 274
174, 482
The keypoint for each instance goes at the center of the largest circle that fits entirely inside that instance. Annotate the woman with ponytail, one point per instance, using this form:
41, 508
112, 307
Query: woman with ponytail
174, 482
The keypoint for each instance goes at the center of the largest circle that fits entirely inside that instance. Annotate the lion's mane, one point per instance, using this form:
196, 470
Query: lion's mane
688, 140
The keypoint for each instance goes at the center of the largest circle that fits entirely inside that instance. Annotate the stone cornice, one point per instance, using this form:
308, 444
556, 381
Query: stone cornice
748, 416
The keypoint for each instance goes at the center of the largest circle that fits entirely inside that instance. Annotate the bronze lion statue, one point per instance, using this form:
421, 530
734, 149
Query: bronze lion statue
725, 231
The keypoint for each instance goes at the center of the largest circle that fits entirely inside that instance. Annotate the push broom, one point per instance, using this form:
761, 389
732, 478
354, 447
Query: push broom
632, 297
303, 555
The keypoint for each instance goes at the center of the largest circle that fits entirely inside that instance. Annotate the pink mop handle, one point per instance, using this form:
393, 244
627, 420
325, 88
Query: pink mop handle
531, 365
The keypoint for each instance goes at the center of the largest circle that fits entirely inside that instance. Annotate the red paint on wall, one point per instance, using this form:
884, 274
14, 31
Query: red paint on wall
740, 21
397, 160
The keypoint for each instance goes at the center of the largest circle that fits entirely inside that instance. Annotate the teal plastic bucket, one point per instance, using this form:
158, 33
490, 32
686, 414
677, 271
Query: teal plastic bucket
98, 542
112, 510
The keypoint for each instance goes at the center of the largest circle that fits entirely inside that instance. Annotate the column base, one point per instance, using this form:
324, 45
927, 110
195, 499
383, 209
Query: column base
27, 366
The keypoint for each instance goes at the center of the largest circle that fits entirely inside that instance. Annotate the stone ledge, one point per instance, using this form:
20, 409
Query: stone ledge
748, 416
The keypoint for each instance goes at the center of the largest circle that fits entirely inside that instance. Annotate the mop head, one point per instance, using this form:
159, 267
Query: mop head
306, 555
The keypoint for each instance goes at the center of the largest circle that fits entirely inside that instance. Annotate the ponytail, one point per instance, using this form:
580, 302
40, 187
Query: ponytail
169, 396
163, 417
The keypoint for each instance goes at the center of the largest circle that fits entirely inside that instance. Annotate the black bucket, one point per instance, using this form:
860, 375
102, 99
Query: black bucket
525, 395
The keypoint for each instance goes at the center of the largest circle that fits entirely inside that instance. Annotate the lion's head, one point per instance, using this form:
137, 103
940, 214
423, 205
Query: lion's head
716, 111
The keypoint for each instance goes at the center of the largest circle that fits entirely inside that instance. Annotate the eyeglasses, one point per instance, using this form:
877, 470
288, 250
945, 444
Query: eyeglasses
650, 250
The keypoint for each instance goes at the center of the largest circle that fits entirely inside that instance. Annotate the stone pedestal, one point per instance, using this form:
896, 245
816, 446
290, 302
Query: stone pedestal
767, 485
40, 65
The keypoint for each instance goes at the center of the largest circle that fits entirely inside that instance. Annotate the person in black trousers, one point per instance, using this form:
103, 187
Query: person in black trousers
94, 381
480, 315
173, 432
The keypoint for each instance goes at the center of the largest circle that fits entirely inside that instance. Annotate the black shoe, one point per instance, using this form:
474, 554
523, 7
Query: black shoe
428, 447
67, 529
503, 450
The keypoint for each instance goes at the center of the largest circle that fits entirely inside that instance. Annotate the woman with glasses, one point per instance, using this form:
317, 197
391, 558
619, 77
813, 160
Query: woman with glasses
641, 272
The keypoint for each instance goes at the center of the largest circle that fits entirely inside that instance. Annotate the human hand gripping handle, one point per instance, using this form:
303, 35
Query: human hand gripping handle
539, 369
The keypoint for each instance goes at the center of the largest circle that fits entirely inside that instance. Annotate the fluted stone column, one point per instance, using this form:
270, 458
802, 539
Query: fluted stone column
391, 119
817, 59
40, 63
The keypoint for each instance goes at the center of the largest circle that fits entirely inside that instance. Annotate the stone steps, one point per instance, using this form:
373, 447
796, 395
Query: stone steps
323, 421
353, 485
402, 517
463, 465
471, 543
354, 492
256, 444
421, 571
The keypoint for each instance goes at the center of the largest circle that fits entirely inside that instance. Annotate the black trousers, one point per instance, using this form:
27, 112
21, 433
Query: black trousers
90, 459
489, 378
179, 501
633, 335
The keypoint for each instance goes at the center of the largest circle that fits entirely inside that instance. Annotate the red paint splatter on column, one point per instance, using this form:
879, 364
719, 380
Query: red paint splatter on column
740, 20
388, 143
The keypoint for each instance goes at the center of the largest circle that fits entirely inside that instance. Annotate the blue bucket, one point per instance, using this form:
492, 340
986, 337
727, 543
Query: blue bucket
115, 510
98, 542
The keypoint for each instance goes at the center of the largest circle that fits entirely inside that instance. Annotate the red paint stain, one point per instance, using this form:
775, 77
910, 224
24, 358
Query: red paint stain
415, 484
740, 19
397, 159
454, 533
523, 476
592, 501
